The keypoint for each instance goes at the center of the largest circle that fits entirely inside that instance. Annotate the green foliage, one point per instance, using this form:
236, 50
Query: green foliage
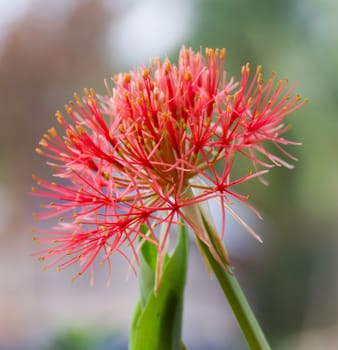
157, 320
74, 340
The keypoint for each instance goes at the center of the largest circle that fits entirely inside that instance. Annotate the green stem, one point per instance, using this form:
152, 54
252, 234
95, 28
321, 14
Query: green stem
217, 260
237, 300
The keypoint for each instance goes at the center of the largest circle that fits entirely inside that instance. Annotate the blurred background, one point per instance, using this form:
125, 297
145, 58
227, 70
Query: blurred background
49, 49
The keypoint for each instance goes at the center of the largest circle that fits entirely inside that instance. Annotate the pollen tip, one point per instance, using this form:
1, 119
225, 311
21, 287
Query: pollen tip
52, 132
43, 143
127, 77
68, 109
223, 53
76, 96
59, 117
80, 129
187, 76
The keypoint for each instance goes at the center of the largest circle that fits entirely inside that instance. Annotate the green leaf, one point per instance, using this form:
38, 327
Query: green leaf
158, 325
148, 257
136, 317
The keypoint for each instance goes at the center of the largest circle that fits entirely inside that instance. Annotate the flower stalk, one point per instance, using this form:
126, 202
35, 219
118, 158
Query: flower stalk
213, 251
237, 300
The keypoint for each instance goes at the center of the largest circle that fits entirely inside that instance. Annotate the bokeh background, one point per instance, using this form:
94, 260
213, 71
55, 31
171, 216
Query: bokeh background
49, 48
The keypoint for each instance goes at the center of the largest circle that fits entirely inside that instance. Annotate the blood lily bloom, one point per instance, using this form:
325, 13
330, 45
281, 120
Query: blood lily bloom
159, 145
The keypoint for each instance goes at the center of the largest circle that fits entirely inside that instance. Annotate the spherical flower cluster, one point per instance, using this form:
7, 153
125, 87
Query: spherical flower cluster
162, 141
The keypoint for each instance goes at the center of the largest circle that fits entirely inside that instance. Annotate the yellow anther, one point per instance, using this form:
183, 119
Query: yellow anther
223, 53
187, 76
139, 100
127, 78
167, 67
59, 117
34, 177
37, 241
145, 73
209, 52
86, 91
76, 96
278, 85
52, 132
68, 109
38, 151
43, 143
80, 129
33, 189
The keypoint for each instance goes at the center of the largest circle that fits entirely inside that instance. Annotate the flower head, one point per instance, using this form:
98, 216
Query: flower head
160, 143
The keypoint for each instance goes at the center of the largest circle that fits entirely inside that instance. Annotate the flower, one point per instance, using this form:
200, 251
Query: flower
162, 142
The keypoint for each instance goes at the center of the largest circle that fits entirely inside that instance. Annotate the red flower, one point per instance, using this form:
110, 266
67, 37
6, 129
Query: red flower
161, 142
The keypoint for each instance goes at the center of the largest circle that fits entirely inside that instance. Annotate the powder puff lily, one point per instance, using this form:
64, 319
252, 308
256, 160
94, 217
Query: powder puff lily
152, 152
